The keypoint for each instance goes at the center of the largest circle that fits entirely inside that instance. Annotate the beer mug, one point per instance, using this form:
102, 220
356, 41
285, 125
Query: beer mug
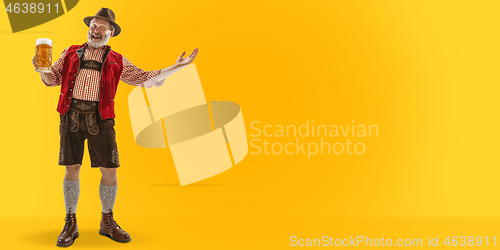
43, 60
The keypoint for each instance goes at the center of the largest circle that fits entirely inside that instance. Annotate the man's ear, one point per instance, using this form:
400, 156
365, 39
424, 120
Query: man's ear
112, 33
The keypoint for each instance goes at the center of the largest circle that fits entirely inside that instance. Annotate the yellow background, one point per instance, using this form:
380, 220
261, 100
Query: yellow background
425, 72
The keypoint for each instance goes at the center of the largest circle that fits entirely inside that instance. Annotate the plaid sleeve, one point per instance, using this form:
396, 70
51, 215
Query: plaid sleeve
57, 69
135, 76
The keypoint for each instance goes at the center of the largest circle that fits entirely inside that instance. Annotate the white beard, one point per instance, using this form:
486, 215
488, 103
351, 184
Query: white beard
104, 39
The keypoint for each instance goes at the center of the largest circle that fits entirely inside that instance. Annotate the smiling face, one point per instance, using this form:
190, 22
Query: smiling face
99, 32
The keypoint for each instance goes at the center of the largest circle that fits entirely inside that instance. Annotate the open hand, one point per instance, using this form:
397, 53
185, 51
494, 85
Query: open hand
185, 61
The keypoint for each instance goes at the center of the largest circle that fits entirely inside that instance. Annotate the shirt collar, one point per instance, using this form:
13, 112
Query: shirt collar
100, 48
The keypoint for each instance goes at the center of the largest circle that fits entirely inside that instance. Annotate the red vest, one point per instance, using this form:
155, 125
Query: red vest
110, 76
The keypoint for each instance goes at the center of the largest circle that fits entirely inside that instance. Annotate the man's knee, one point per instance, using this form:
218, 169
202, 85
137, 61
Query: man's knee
108, 171
73, 168
72, 172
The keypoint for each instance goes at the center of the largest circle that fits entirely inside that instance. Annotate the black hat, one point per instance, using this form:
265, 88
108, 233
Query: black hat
105, 14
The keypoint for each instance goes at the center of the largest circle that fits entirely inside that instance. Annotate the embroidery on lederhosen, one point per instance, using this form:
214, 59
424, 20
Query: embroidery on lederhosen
83, 106
91, 64
61, 156
61, 126
92, 124
114, 157
73, 121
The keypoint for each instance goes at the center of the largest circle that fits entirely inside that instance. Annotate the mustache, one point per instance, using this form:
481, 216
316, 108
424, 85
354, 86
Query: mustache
96, 34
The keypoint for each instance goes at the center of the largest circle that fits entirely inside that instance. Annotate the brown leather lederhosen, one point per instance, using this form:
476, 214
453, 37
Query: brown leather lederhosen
82, 122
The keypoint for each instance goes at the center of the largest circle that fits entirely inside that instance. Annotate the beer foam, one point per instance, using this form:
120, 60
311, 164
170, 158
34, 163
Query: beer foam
43, 41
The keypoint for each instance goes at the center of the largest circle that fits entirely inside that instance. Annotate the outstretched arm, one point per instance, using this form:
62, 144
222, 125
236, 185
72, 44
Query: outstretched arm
180, 63
135, 76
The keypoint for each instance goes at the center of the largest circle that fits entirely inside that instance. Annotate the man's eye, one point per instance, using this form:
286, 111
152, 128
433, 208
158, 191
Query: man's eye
102, 28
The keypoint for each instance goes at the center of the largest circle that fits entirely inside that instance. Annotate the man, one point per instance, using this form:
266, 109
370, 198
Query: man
89, 76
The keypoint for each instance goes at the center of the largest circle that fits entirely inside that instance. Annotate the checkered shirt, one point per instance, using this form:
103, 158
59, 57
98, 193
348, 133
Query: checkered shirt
87, 81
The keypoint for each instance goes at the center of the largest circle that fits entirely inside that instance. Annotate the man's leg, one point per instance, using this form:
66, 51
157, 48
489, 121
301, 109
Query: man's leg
108, 189
107, 193
71, 189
